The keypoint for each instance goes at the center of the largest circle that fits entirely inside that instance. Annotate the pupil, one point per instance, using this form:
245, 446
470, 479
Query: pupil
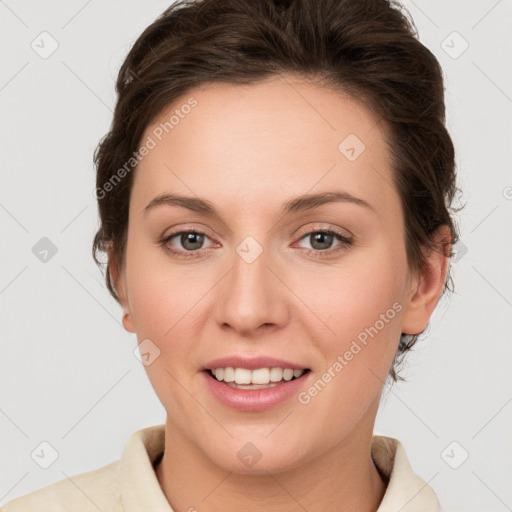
193, 238
317, 237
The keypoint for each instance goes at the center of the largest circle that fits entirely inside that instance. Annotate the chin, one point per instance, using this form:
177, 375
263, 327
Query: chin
251, 458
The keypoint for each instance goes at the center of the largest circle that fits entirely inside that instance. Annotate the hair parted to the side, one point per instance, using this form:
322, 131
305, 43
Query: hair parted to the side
368, 49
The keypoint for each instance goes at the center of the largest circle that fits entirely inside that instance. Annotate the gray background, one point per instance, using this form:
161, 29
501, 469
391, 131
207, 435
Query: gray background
69, 376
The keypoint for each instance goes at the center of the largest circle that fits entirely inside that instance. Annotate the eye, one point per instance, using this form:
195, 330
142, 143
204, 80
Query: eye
190, 241
321, 241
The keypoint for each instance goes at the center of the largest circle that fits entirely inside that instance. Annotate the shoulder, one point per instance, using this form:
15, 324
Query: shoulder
128, 483
406, 491
91, 491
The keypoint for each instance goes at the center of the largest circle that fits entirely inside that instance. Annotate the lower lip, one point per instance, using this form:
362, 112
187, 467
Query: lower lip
254, 399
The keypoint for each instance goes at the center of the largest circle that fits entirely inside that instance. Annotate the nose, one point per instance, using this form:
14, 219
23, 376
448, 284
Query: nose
252, 298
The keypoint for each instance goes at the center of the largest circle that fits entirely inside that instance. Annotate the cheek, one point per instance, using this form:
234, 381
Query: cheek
164, 306
346, 299
360, 331
163, 302
161, 292
357, 323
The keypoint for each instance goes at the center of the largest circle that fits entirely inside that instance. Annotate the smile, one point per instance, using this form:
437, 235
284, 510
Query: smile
254, 390
244, 378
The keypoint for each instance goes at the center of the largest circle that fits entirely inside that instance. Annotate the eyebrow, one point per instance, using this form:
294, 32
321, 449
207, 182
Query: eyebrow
297, 204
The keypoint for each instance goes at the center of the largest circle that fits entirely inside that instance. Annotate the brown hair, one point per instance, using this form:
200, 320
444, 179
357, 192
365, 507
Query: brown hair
366, 48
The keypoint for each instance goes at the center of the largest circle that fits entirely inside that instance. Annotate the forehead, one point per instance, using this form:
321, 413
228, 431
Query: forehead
278, 138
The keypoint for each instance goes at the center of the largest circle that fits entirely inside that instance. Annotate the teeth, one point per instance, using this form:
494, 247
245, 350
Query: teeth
288, 374
242, 376
259, 376
229, 374
276, 374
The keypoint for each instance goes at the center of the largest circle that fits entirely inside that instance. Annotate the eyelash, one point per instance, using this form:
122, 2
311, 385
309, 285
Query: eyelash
346, 242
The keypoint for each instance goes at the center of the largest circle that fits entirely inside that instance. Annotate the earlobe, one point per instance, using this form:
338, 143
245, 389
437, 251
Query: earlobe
116, 278
127, 322
427, 286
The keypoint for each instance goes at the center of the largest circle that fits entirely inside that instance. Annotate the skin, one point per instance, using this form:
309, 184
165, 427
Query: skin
247, 149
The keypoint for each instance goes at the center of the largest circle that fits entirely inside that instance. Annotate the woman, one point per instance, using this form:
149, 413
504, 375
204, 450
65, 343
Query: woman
274, 196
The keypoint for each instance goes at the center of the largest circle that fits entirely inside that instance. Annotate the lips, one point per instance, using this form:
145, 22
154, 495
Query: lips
246, 398
254, 397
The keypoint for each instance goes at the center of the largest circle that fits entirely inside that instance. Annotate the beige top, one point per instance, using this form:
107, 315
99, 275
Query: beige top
131, 485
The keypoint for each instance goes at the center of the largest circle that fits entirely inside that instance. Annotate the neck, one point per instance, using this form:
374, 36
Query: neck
343, 478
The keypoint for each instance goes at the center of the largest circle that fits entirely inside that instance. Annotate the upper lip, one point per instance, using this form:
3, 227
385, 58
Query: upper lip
252, 363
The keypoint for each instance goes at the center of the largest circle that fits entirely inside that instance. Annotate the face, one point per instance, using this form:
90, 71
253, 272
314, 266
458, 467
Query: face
250, 278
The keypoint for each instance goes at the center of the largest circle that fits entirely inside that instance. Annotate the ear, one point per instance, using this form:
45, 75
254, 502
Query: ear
118, 280
427, 285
